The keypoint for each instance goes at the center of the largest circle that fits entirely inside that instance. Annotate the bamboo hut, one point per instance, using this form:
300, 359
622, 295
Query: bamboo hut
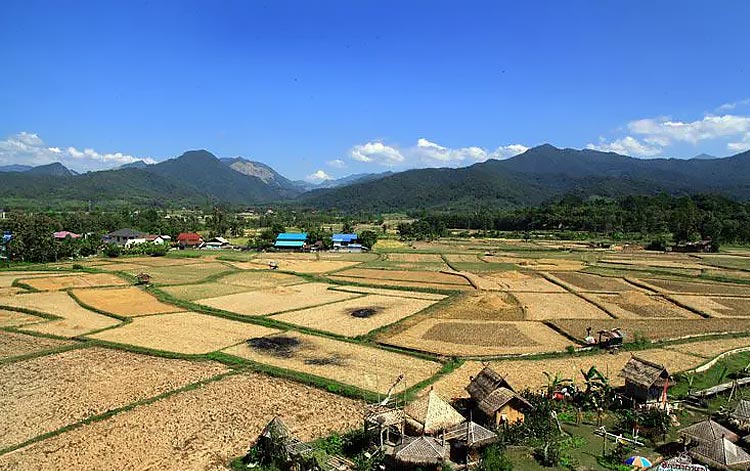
494, 399
388, 422
740, 416
426, 452
708, 431
485, 382
466, 440
646, 381
431, 414
721, 453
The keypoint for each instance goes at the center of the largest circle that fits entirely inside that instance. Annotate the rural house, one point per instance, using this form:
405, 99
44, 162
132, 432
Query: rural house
216, 243
291, 241
122, 236
62, 235
189, 239
346, 243
494, 399
158, 239
646, 381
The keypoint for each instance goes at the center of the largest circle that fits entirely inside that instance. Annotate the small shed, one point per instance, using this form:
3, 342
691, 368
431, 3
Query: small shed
646, 381
467, 440
216, 243
740, 416
708, 431
424, 451
721, 453
291, 241
494, 399
431, 414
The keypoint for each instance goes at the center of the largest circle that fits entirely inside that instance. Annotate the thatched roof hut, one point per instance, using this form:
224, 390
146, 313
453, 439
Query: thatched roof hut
487, 381
708, 431
470, 434
720, 452
498, 399
645, 380
431, 414
741, 413
276, 429
420, 451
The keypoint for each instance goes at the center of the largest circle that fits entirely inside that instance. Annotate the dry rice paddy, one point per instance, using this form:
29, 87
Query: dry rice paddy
655, 329
364, 367
637, 304
43, 394
75, 320
8, 277
696, 287
401, 283
15, 318
477, 338
185, 332
198, 429
516, 281
481, 305
414, 258
239, 282
14, 344
710, 348
84, 280
128, 302
546, 306
356, 316
715, 306
390, 292
403, 275
296, 265
180, 274
593, 283
282, 298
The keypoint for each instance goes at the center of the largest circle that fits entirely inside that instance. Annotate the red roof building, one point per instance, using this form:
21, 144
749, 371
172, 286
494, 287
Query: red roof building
189, 239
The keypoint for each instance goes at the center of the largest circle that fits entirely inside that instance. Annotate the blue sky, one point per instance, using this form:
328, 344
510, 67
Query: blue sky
348, 87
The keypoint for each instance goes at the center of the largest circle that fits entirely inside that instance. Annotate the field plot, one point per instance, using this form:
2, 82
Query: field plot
547, 306
637, 304
15, 318
158, 261
356, 316
184, 332
364, 367
523, 374
128, 302
5, 291
132, 268
83, 280
551, 264
463, 258
516, 281
75, 320
470, 338
180, 274
587, 282
282, 298
440, 280
45, 393
656, 329
295, 265
390, 292
13, 344
200, 429
710, 348
233, 283
696, 287
203, 290
402, 284
8, 277
727, 261
481, 305
349, 257
415, 257
715, 306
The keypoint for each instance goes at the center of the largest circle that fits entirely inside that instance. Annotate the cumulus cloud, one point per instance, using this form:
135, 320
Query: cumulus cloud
336, 163
740, 146
377, 152
29, 149
318, 176
730, 106
627, 146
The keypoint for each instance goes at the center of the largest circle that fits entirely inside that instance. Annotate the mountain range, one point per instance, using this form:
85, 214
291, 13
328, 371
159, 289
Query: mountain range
198, 178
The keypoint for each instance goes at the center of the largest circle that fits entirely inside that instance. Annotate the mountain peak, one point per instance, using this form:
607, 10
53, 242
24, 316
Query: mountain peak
55, 169
705, 157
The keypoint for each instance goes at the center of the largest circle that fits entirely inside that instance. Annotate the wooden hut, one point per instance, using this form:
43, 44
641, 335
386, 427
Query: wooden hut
708, 430
495, 401
431, 414
425, 452
646, 381
466, 440
740, 416
720, 453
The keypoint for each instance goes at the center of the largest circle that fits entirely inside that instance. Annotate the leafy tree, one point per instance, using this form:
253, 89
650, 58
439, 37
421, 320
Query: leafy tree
368, 238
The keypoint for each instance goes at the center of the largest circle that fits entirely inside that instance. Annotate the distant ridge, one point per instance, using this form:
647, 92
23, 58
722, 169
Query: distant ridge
55, 169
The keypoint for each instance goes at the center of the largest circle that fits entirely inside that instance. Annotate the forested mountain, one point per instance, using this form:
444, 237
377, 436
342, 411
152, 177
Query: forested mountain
55, 169
535, 176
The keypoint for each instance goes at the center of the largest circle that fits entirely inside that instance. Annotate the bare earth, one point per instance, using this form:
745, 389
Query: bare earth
45, 393
184, 332
129, 302
13, 344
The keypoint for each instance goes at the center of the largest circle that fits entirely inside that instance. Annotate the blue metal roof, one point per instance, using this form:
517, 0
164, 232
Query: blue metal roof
343, 237
292, 236
289, 243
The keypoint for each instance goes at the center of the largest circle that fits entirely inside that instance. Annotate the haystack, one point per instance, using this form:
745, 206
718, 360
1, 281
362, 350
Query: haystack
431, 414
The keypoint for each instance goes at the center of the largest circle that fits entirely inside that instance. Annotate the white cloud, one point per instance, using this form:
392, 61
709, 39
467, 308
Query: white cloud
506, 152
428, 151
29, 149
730, 106
377, 152
665, 131
318, 176
336, 163
627, 146
740, 146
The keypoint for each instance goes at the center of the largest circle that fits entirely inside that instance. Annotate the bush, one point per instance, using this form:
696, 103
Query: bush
112, 250
494, 459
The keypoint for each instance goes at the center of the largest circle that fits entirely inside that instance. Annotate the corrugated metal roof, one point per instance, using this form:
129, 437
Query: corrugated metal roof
292, 236
343, 237
289, 243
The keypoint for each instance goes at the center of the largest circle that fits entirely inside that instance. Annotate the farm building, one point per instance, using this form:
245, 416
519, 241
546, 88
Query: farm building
646, 381
62, 235
291, 241
423, 452
740, 416
216, 243
189, 239
708, 430
346, 243
714, 445
431, 414
494, 399
158, 239
122, 236
466, 440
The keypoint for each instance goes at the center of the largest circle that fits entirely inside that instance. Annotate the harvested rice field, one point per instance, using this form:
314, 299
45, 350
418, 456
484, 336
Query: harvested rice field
414, 257
478, 338
184, 332
128, 302
349, 257
8, 277
157, 261
547, 306
637, 304
710, 348
390, 292
181, 274
356, 316
203, 290
282, 298
233, 283
297, 266
715, 306
74, 319
401, 283
463, 258
587, 282
84, 280
652, 261
200, 429
15, 318
14, 344
364, 367
517, 281
402, 275
696, 287
46, 393
655, 329
481, 305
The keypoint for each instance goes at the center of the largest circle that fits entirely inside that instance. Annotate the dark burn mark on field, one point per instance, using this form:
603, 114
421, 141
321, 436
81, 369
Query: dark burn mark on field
332, 360
365, 312
277, 345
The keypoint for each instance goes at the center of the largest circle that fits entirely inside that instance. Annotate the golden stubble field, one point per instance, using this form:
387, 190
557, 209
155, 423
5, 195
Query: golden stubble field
84, 280
128, 302
43, 394
200, 429
13, 344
